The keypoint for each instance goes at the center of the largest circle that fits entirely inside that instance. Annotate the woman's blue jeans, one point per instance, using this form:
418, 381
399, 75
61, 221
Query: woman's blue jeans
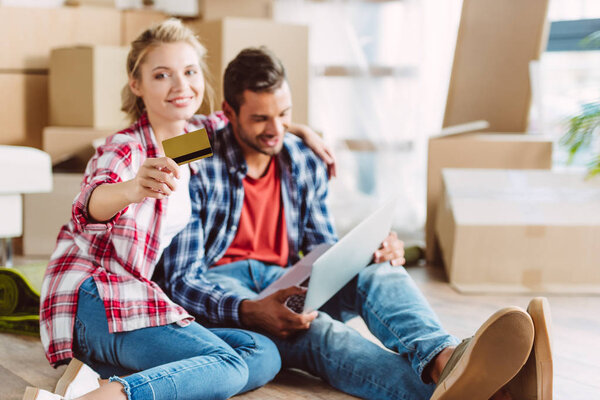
394, 310
172, 362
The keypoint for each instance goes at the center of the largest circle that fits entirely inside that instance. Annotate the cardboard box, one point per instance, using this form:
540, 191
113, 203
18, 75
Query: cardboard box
32, 3
24, 110
30, 33
520, 231
85, 86
490, 75
478, 150
134, 22
64, 142
225, 38
216, 9
120, 4
45, 213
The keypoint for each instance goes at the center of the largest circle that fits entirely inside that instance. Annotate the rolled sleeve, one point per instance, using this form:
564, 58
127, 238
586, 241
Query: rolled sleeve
83, 221
114, 162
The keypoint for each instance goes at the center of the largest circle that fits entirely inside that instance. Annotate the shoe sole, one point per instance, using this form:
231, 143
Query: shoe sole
492, 359
539, 310
68, 377
30, 393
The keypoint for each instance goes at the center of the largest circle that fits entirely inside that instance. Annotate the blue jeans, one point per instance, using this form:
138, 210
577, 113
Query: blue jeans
189, 362
392, 307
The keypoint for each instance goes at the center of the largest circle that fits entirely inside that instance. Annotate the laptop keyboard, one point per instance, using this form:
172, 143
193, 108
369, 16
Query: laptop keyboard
296, 303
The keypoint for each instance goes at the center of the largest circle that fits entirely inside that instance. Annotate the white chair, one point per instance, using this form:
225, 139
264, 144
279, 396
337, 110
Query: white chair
22, 170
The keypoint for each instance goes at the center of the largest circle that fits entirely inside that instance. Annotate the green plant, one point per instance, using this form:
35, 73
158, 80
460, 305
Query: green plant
584, 128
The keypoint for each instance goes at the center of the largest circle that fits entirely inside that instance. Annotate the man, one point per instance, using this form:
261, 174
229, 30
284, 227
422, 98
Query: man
256, 205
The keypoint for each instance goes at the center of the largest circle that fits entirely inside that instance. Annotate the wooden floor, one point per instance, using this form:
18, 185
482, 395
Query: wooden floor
576, 323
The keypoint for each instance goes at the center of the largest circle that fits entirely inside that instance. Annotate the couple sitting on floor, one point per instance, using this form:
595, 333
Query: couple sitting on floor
250, 210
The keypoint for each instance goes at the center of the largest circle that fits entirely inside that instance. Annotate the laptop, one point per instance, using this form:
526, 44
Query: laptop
328, 268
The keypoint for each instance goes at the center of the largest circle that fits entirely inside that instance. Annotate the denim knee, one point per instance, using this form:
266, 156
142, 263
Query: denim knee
268, 357
264, 362
375, 272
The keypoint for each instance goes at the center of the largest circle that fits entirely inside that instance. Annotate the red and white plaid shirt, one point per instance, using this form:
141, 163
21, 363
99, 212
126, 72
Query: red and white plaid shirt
120, 254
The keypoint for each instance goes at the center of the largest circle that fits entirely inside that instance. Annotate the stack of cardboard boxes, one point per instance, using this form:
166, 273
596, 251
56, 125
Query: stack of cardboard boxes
65, 69
515, 226
62, 70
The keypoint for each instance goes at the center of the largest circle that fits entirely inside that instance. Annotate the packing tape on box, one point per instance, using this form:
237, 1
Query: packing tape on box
531, 278
535, 231
539, 195
20, 298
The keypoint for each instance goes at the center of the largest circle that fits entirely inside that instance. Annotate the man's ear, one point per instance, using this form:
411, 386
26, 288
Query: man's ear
134, 86
228, 110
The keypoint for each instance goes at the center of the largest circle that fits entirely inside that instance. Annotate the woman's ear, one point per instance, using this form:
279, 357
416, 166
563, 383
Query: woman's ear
134, 85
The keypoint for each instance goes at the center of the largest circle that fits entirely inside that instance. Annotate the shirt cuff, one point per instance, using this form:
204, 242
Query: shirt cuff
231, 309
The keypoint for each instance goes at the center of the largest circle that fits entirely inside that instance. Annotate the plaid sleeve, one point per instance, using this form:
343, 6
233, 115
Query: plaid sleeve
184, 268
113, 162
318, 228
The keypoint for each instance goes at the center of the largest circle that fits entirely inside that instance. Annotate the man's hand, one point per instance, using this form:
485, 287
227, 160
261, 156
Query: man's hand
392, 250
270, 314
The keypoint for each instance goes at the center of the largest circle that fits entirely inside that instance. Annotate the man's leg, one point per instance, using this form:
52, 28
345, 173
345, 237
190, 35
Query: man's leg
396, 312
246, 278
346, 360
330, 349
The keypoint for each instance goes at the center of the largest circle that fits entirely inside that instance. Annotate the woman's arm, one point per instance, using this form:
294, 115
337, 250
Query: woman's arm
156, 179
317, 144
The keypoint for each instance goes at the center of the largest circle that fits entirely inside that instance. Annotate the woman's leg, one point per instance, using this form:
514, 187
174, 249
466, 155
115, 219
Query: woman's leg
258, 352
175, 362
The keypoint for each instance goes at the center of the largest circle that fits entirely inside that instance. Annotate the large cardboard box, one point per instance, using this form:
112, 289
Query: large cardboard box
478, 150
29, 33
216, 9
64, 142
490, 76
520, 231
45, 213
85, 84
225, 38
24, 108
134, 22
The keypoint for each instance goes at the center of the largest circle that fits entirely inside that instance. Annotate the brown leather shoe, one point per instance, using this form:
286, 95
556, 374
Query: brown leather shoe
534, 381
483, 364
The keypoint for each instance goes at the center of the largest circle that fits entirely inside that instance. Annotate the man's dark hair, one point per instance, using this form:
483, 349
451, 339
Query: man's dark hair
256, 69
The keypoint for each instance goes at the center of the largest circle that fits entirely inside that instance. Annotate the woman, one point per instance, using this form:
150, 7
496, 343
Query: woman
98, 302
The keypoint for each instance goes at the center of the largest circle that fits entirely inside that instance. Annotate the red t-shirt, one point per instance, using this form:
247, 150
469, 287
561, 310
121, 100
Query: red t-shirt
261, 233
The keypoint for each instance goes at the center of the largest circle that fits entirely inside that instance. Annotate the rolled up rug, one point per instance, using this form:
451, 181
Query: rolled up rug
20, 298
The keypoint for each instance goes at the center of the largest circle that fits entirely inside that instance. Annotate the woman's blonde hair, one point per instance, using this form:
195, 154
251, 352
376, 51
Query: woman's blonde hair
169, 31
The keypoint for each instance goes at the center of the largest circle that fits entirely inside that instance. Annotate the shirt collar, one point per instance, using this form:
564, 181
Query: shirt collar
234, 157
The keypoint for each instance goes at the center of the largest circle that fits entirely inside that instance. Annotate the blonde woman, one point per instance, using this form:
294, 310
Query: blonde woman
98, 302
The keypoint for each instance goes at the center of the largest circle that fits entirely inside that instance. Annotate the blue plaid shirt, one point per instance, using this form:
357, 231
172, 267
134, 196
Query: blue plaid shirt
217, 194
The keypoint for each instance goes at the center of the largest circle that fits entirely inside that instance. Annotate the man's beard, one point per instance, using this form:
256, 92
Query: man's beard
271, 151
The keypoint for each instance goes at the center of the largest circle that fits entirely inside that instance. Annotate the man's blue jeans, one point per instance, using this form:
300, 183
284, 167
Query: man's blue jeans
392, 307
176, 362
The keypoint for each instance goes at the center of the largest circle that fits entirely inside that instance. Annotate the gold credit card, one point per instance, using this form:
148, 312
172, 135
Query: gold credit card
188, 147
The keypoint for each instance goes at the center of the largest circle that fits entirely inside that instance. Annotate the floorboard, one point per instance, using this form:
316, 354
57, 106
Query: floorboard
576, 334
